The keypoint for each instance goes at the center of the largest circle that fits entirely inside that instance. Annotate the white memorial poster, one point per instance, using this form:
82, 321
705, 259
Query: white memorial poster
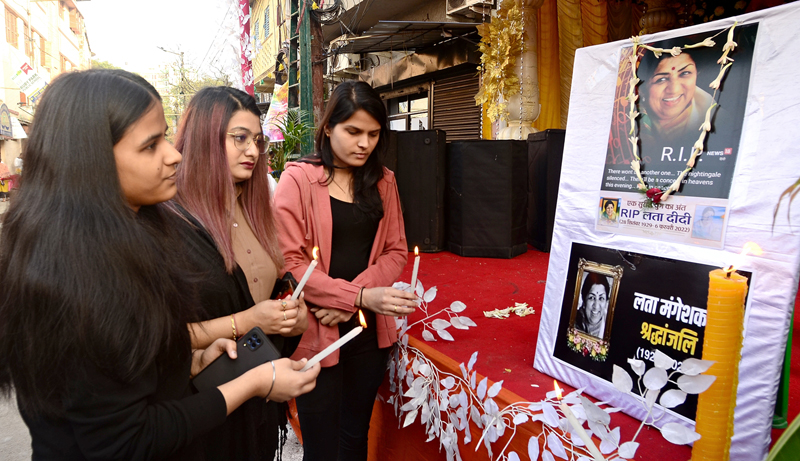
742, 209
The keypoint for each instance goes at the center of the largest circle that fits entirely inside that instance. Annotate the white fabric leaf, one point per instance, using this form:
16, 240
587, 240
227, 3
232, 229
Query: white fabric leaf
467, 436
448, 382
491, 407
679, 434
475, 416
454, 401
472, 379
672, 398
440, 324
555, 446
445, 335
693, 367
607, 446
398, 322
464, 373
415, 366
621, 379
405, 339
495, 389
425, 369
550, 415
578, 411
482, 388
650, 397
467, 321
457, 306
547, 456
427, 335
456, 322
655, 379
614, 436
410, 417
695, 384
594, 413
520, 418
513, 456
535, 406
402, 286
662, 360
598, 429
533, 448
419, 289
462, 399
628, 450
472, 360
491, 434
430, 295
637, 366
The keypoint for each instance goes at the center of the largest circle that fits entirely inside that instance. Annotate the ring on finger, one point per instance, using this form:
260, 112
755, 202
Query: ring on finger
284, 315
283, 304
395, 308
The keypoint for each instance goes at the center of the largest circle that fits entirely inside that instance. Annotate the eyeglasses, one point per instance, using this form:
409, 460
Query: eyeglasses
243, 140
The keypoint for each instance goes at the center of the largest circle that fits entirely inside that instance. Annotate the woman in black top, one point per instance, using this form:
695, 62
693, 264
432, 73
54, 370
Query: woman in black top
95, 298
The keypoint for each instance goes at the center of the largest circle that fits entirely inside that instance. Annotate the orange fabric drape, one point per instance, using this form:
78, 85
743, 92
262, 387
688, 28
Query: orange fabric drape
570, 33
619, 20
549, 67
594, 19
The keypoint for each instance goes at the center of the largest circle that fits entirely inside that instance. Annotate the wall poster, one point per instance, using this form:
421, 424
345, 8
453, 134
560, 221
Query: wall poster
612, 311
674, 97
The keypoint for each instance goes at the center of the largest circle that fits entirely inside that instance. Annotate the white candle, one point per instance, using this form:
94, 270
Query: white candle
416, 269
581, 433
329, 350
303, 281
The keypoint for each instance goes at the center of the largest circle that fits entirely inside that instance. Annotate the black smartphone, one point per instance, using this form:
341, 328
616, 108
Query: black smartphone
284, 286
253, 349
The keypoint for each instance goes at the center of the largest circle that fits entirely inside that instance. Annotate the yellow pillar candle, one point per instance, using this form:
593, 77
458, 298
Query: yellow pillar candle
722, 343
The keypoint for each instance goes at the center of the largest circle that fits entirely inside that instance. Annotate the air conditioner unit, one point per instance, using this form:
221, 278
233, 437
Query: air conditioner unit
468, 7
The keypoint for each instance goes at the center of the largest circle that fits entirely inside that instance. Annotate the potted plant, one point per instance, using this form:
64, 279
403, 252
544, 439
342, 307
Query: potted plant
297, 140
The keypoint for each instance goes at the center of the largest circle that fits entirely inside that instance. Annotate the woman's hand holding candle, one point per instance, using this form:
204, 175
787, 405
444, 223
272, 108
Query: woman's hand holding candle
388, 301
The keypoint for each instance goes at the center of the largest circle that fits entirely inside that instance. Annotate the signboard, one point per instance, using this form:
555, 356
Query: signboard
5, 122
29, 81
674, 97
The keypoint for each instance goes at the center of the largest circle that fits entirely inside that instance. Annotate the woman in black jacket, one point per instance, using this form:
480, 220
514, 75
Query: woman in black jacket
96, 298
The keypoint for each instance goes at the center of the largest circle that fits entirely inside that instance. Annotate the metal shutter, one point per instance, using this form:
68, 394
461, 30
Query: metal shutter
454, 109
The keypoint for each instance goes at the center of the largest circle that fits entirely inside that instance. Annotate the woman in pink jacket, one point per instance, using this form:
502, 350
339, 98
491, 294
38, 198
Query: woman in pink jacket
342, 200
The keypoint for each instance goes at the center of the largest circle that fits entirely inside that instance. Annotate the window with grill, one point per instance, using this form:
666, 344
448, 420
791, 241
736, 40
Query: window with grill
256, 29
12, 36
266, 22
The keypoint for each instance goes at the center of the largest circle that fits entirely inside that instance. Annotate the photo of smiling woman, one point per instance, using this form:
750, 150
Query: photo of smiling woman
592, 312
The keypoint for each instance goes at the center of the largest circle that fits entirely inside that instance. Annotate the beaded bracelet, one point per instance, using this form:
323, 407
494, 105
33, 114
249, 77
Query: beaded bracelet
271, 386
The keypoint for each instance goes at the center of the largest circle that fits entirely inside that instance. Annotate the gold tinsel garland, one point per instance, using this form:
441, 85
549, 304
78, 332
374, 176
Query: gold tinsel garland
501, 42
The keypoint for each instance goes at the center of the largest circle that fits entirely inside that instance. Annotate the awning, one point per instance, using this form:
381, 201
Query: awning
401, 35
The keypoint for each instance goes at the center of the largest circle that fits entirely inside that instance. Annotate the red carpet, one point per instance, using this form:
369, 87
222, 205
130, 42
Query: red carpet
506, 347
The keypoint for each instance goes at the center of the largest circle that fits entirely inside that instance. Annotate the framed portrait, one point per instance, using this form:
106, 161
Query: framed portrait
592, 315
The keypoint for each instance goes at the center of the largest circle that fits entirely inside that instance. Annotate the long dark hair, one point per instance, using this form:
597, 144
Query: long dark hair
347, 98
205, 185
86, 282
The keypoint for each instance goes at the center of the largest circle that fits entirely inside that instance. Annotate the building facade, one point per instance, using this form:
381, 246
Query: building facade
45, 38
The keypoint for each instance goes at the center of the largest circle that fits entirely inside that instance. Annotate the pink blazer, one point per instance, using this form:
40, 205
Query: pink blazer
303, 211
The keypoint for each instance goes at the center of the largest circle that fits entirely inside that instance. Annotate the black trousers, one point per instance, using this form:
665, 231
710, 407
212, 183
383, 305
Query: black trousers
334, 417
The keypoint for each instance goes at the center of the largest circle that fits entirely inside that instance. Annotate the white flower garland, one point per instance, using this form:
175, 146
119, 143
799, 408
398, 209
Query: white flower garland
654, 194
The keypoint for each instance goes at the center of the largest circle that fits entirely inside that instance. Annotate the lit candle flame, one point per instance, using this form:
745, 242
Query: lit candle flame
416, 251
314, 252
362, 319
558, 389
748, 248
